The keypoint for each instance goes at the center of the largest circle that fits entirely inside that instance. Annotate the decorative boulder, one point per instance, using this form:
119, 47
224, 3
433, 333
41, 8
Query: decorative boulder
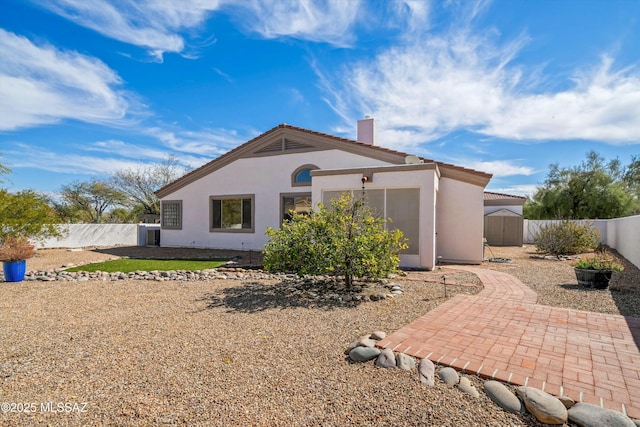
465, 386
386, 359
545, 407
449, 376
426, 370
378, 335
405, 362
503, 397
588, 415
363, 354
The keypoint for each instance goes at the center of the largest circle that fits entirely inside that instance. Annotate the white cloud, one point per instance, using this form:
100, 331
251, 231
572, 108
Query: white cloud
499, 168
161, 26
464, 79
208, 143
328, 21
29, 156
602, 106
153, 25
516, 190
126, 150
40, 84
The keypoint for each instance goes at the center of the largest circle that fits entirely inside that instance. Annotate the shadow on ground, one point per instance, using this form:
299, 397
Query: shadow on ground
253, 297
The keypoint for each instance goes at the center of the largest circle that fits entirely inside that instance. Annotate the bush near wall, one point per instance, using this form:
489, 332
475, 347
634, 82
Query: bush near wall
567, 238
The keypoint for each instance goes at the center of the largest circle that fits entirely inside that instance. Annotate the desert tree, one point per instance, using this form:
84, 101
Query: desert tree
140, 184
593, 189
88, 201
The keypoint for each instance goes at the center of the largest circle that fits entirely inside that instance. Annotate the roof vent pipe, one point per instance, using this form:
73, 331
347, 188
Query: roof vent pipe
367, 131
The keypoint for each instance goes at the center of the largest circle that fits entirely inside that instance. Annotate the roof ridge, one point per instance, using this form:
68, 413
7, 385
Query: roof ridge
505, 194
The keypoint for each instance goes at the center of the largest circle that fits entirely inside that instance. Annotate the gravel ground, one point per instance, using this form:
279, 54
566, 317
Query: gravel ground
555, 281
233, 352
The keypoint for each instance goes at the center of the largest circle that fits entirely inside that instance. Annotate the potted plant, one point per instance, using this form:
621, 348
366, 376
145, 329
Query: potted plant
596, 271
14, 252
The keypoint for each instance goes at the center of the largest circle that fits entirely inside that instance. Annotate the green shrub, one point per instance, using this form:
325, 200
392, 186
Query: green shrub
567, 238
344, 240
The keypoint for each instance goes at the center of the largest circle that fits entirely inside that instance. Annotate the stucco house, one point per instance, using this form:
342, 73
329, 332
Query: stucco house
229, 202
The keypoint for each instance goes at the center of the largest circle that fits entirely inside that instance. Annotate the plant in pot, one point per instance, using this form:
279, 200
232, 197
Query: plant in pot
596, 271
14, 252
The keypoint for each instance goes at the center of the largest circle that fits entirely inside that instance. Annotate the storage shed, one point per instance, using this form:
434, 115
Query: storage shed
503, 220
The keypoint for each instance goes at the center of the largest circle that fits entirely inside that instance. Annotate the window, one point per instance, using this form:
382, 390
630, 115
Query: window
171, 215
301, 177
232, 213
401, 205
300, 203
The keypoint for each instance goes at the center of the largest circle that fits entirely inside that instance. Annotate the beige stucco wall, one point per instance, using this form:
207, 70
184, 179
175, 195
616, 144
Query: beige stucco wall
459, 222
265, 177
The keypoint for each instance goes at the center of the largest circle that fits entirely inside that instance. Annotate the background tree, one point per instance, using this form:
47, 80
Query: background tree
631, 180
141, 184
88, 201
3, 171
591, 190
26, 214
346, 240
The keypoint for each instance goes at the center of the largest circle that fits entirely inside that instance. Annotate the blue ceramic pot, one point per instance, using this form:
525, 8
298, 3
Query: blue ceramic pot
14, 270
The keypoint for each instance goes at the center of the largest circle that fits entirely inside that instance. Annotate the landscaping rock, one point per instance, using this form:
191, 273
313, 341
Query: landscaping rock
378, 335
449, 376
405, 362
465, 386
386, 359
367, 342
503, 397
588, 415
566, 401
363, 354
545, 407
426, 370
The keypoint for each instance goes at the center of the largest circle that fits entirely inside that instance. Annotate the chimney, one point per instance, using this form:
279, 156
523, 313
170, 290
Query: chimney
367, 131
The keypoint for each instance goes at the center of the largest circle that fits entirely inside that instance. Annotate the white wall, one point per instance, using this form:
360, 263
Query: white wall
621, 234
531, 227
459, 222
265, 177
85, 235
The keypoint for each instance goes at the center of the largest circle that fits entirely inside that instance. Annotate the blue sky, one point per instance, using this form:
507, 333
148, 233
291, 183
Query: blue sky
88, 87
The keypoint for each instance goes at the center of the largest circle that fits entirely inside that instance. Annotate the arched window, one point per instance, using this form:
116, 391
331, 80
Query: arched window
301, 177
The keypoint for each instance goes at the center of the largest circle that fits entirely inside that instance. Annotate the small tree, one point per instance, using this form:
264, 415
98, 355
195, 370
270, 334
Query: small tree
346, 239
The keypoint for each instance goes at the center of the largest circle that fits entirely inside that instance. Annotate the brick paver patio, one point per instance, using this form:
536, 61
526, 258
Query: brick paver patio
502, 333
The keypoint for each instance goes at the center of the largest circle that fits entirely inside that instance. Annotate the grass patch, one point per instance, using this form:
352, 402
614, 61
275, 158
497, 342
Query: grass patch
128, 265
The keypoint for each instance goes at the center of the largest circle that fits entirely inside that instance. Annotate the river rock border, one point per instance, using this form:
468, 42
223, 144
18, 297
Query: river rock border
546, 408
320, 288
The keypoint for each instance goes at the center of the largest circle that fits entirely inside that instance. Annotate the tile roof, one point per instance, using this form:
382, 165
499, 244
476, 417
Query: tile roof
228, 156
